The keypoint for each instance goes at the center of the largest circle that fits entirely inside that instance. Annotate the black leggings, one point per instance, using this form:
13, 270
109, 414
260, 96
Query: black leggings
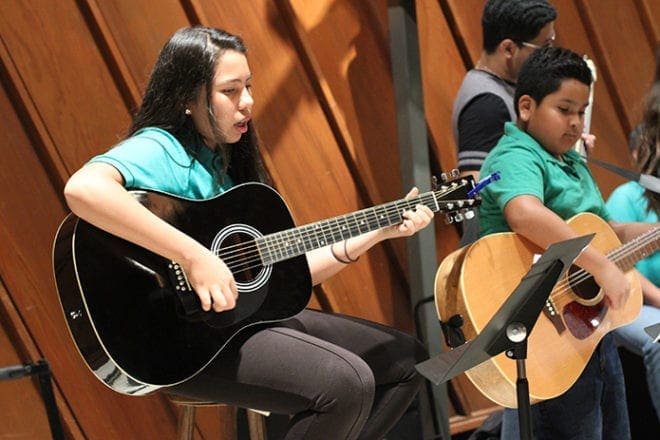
339, 377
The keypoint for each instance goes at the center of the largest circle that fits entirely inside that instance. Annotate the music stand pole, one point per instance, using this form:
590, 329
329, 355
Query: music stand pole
519, 353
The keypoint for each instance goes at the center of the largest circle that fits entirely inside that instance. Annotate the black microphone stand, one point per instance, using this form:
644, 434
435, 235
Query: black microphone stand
41, 369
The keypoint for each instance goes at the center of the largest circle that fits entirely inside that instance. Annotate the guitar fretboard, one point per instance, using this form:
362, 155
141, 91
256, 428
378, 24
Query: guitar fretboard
297, 241
629, 254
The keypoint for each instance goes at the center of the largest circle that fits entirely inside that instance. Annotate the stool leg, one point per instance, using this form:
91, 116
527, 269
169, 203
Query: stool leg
186, 422
256, 425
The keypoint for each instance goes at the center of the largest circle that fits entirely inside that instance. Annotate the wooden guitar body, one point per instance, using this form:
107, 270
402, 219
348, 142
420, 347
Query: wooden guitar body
474, 282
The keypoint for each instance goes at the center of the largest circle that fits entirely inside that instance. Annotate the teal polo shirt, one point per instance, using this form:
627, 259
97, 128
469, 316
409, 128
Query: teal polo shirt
628, 204
154, 159
564, 186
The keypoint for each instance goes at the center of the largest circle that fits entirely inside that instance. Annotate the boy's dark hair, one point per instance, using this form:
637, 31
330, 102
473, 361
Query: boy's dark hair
542, 73
518, 20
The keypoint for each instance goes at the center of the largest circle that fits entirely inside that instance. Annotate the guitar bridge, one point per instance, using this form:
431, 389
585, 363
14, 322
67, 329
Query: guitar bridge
552, 313
178, 277
184, 291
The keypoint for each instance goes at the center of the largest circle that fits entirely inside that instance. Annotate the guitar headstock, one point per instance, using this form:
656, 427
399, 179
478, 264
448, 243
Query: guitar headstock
457, 198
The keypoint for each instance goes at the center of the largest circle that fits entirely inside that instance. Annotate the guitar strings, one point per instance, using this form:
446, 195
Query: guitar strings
622, 253
238, 252
616, 255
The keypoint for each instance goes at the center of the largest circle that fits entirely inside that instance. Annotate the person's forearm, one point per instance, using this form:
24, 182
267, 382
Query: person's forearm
543, 227
107, 205
631, 230
322, 263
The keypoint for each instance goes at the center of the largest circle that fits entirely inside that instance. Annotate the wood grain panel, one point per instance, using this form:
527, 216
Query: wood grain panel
574, 30
65, 75
467, 18
649, 11
357, 68
442, 74
139, 30
625, 56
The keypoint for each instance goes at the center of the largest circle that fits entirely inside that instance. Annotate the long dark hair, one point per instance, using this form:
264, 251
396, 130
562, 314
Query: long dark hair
648, 145
185, 65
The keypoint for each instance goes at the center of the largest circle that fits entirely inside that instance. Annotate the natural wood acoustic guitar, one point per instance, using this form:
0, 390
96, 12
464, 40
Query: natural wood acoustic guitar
474, 282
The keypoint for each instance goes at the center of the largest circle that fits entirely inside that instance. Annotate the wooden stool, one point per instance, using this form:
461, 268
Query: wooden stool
186, 424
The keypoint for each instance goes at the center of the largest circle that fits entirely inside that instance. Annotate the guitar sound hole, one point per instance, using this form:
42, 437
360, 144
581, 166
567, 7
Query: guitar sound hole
583, 285
240, 254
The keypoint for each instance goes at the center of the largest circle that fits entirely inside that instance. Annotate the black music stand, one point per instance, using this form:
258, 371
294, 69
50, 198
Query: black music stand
510, 327
41, 369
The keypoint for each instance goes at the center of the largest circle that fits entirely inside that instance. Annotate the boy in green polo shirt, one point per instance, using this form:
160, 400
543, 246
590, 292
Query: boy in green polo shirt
545, 182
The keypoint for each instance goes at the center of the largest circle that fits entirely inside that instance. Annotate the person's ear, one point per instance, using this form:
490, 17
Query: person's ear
508, 47
526, 107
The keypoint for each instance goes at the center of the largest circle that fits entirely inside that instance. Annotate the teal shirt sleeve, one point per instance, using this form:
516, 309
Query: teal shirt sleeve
625, 203
144, 161
154, 160
521, 173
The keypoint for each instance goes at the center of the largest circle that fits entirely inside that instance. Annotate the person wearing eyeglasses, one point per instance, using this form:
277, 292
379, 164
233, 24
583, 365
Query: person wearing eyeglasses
512, 30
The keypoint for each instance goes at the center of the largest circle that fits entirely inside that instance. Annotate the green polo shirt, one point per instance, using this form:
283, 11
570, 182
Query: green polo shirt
154, 159
564, 186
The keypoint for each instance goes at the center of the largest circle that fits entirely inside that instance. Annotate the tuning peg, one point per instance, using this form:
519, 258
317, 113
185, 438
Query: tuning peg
455, 173
444, 177
434, 183
449, 219
469, 214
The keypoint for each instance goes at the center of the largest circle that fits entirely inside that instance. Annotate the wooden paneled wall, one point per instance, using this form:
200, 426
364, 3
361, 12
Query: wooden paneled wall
72, 73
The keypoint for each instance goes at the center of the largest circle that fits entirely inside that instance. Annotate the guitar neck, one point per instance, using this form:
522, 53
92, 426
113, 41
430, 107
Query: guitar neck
297, 241
635, 250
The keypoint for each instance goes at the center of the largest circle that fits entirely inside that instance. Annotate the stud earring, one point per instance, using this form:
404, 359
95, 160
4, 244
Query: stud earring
187, 111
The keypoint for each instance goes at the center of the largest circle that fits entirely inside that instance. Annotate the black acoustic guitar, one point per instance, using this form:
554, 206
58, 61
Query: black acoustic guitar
135, 319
